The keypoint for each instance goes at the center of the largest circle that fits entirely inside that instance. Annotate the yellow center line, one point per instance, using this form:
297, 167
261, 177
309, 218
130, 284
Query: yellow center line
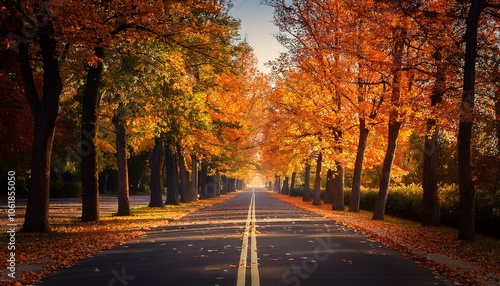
249, 231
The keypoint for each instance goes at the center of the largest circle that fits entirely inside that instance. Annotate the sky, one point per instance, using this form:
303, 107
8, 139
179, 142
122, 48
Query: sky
257, 27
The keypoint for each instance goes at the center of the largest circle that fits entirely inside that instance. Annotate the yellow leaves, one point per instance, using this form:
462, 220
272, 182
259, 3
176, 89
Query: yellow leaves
105, 146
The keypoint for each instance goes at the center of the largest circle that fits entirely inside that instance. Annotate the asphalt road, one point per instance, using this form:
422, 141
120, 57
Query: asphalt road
251, 239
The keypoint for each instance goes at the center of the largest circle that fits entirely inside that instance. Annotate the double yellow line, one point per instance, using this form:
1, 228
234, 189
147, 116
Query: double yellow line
249, 232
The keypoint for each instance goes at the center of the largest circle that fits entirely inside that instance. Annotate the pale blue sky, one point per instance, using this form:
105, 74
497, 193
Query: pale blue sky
257, 27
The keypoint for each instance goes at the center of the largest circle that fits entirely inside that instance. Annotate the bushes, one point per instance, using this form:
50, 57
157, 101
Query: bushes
406, 202
61, 189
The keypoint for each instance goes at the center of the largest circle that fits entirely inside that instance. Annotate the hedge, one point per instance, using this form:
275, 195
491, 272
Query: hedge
406, 202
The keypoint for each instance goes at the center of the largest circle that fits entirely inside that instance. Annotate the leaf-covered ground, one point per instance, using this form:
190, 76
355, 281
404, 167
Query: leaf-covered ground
437, 248
38, 254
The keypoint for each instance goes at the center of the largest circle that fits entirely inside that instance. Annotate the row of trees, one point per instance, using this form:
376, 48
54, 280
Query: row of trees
125, 77
359, 75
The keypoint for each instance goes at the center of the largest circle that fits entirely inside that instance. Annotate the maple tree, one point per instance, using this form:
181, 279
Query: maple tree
474, 19
402, 71
32, 35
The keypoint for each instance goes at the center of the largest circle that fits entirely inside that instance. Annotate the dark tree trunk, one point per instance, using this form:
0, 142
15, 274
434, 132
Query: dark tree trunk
466, 188
317, 182
277, 183
381, 200
203, 181
338, 180
497, 127
194, 178
156, 167
210, 187
285, 189
355, 197
121, 157
90, 179
217, 184
307, 185
431, 214
172, 176
329, 187
233, 185
292, 184
44, 111
394, 127
338, 188
183, 176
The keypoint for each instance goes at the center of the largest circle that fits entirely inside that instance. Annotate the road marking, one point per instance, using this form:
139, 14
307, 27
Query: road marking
254, 266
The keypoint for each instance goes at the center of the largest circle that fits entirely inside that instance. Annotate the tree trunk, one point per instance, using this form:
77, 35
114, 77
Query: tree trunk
329, 187
381, 200
307, 185
338, 188
210, 187
203, 181
292, 184
88, 151
217, 184
431, 213
183, 176
44, 111
317, 182
156, 167
121, 157
172, 177
194, 178
285, 190
394, 127
355, 197
497, 127
466, 187
277, 183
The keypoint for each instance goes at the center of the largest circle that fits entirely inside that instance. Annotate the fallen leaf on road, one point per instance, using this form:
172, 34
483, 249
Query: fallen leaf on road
275, 259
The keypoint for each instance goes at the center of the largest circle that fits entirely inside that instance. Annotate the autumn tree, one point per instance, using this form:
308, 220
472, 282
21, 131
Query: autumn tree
477, 12
33, 36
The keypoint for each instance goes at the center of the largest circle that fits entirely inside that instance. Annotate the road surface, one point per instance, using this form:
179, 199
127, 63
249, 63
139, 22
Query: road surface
251, 239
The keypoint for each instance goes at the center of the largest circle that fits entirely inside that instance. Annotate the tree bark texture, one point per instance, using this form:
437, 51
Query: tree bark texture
466, 188
172, 176
183, 176
394, 126
292, 184
203, 181
431, 213
156, 166
121, 157
285, 189
88, 148
44, 110
338, 188
307, 185
317, 182
329, 187
497, 128
355, 197
194, 178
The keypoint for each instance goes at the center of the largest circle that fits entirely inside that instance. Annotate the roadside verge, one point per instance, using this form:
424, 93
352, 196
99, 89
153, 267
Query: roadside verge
437, 248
